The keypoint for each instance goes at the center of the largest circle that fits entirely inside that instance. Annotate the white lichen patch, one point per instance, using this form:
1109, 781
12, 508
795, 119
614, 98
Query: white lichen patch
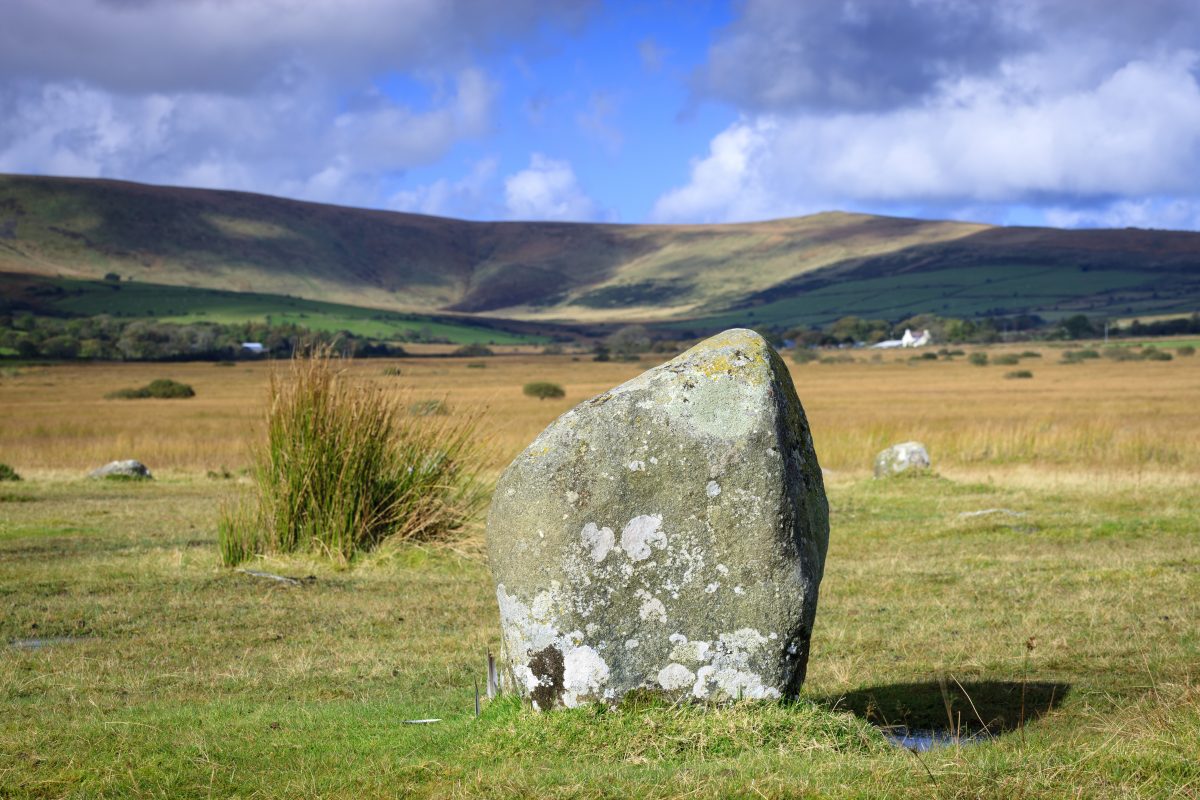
640, 534
695, 652
712, 489
652, 609
585, 675
598, 541
631, 644
729, 674
675, 676
721, 568
712, 587
637, 466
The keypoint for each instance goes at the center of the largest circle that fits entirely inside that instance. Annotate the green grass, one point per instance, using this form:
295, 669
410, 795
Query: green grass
186, 305
958, 292
341, 471
184, 679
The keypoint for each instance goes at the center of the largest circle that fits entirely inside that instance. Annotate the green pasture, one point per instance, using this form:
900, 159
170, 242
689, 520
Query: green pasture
1063, 631
183, 304
958, 292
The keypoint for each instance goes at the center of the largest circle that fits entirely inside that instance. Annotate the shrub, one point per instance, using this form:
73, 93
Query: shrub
1006, 360
1185, 350
1019, 373
552, 350
840, 358
225, 363
1122, 354
1076, 356
978, 359
802, 355
476, 365
474, 350
163, 388
1031, 354
1153, 354
543, 390
7, 473
341, 472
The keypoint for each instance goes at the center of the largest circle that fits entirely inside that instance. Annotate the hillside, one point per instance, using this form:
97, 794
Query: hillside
808, 269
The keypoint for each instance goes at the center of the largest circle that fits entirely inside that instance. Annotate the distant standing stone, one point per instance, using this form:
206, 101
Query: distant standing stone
135, 470
901, 457
669, 534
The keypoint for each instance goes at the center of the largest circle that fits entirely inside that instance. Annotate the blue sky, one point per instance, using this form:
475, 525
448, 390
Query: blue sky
1071, 113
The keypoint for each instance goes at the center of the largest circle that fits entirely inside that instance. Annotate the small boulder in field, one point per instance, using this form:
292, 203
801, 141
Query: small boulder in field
901, 458
667, 535
129, 469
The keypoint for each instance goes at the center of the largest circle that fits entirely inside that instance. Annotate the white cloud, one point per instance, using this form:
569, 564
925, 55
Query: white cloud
547, 190
274, 96
295, 143
469, 196
1133, 132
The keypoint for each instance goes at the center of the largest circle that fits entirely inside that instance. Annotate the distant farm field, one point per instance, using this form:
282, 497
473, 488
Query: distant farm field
1095, 416
1040, 592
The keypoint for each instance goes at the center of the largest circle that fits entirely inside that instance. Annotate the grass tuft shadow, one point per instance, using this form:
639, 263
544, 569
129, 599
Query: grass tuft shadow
970, 708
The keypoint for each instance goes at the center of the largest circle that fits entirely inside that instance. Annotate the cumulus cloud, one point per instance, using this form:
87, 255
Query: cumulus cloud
470, 196
547, 190
274, 96
1054, 125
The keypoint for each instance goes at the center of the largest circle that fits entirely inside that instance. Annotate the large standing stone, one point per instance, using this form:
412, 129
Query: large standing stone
901, 458
669, 534
128, 469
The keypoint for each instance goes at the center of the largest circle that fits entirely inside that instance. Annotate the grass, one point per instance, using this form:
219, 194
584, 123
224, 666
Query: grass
179, 678
342, 472
186, 304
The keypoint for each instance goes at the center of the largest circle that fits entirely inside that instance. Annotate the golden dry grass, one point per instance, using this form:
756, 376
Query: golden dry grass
1091, 419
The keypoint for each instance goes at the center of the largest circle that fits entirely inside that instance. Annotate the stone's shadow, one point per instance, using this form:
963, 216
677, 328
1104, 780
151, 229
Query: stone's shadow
977, 707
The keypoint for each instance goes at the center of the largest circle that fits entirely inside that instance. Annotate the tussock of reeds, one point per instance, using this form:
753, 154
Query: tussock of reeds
342, 470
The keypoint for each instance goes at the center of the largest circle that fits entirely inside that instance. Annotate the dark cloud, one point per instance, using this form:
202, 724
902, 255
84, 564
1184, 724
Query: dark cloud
239, 46
819, 54
858, 55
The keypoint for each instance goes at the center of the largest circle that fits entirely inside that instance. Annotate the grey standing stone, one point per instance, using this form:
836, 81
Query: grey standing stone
669, 534
122, 469
900, 458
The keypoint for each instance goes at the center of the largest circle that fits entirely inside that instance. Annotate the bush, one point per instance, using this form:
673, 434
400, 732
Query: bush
802, 355
7, 473
1122, 354
1153, 354
341, 472
543, 390
163, 388
840, 358
473, 350
477, 365
1019, 373
1031, 354
1185, 350
978, 359
1006, 360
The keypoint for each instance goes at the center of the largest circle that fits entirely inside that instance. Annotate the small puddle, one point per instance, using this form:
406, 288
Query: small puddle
49, 641
921, 741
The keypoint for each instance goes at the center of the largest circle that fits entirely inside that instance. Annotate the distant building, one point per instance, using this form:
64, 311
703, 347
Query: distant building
254, 347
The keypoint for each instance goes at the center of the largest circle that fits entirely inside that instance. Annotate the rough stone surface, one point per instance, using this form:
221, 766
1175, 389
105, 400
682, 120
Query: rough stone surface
901, 457
122, 469
669, 534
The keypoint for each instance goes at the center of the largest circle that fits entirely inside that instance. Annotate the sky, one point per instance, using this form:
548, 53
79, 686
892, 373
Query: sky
1069, 113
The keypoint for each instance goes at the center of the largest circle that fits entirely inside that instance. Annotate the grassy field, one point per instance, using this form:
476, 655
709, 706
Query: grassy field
1065, 618
185, 304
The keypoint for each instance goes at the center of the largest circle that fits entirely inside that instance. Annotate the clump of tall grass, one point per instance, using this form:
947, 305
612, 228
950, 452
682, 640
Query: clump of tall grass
342, 471
1185, 350
7, 473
